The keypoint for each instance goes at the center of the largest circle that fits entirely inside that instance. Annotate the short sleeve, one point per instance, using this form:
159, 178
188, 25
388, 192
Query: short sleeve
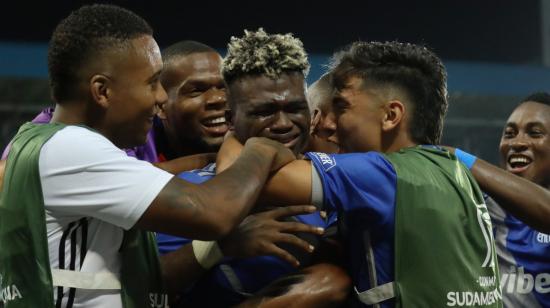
357, 182
84, 175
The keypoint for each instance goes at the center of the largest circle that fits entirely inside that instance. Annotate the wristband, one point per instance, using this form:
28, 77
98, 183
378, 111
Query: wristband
207, 253
466, 158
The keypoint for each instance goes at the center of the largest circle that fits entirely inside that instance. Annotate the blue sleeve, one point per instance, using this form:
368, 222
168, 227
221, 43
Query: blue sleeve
363, 183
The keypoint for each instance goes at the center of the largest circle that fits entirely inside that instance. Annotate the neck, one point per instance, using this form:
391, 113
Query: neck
78, 113
396, 140
70, 113
173, 147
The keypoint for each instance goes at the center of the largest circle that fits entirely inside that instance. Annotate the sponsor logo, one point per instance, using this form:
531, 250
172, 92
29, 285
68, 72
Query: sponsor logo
517, 281
326, 161
8, 293
158, 300
484, 221
543, 238
470, 298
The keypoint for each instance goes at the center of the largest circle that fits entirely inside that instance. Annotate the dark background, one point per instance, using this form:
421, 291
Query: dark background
493, 49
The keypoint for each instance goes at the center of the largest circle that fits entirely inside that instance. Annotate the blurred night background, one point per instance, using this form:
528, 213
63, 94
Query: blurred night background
496, 52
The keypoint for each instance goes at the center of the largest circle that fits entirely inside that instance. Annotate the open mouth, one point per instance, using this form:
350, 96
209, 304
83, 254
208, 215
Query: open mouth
215, 125
518, 163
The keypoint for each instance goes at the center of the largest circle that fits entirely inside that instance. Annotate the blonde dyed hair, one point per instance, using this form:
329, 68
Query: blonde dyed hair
258, 52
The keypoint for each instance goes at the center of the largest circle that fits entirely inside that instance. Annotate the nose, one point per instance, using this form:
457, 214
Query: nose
328, 123
519, 143
282, 123
215, 99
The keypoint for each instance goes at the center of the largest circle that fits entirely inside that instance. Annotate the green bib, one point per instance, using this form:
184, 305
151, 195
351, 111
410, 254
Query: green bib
25, 274
444, 249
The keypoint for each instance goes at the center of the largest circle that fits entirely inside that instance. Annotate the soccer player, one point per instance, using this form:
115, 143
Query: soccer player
73, 204
416, 228
267, 98
524, 253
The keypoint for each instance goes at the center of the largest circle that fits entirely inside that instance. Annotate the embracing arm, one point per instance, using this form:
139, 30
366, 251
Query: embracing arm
288, 185
210, 210
522, 198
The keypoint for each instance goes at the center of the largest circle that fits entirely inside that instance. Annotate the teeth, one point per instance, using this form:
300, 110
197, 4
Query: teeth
219, 120
524, 160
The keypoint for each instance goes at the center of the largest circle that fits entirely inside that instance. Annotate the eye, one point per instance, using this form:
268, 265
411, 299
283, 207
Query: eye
155, 84
195, 93
296, 108
262, 113
536, 133
509, 133
339, 105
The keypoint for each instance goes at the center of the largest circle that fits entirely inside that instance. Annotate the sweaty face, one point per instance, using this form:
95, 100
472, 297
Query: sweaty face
359, 115
135, 91
276, 109
194, 113
525, 143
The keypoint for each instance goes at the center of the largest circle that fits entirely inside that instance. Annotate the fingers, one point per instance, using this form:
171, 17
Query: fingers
283, 254
294, 227
286, 211
293, 240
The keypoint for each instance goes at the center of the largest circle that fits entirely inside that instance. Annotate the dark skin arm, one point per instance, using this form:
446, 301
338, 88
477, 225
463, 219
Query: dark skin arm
289, 185
186, 163
209, 211
524, 199
257, 235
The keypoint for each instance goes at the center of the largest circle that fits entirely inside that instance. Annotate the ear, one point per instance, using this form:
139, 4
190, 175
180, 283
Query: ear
100, 89
394, 112
315, 118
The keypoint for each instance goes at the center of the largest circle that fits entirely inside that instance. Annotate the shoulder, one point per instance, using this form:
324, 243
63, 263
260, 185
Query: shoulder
351, 162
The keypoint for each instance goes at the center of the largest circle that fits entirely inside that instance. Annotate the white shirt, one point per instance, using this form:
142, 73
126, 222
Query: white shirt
92, 191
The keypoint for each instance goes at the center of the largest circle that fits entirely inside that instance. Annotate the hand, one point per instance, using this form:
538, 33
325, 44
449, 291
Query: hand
259, 234
283, 155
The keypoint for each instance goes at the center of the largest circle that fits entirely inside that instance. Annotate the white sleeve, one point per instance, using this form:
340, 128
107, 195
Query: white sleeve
84, 174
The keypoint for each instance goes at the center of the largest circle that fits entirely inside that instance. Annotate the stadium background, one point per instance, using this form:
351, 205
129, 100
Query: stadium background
496, 52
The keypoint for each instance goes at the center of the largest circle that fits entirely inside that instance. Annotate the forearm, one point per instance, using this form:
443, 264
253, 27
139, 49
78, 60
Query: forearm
180, 270
237, 188
524, 199
210, 210
290, 185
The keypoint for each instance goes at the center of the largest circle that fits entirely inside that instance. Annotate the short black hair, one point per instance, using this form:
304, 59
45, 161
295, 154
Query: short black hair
407, 67
81, 36
538, 97
184, 48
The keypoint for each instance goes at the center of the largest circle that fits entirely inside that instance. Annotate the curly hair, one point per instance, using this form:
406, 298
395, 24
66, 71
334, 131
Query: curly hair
264, 54
410, 68
84, 34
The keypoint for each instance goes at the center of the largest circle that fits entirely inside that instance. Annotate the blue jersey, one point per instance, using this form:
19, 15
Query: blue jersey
361, 187
524, 260
232, 280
